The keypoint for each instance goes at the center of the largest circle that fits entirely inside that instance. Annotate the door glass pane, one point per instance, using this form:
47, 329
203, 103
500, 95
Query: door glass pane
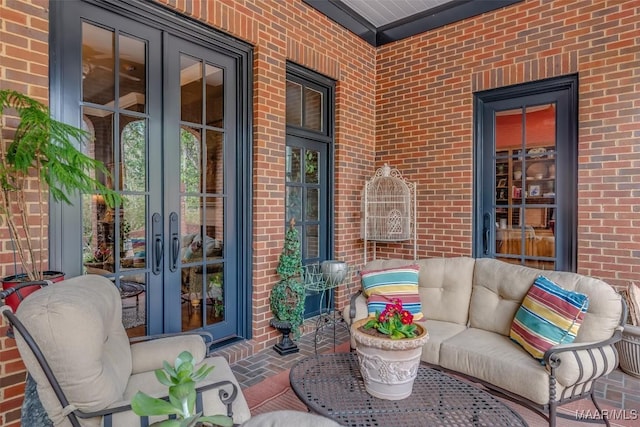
312, 243
190, 89
133, 290
294, 104
311, 206
294, 203
132, 76
215, 95
213, 214
311, 167
214, 167
98, 64
133, 232
525, 184
215, 294
190, 160
312, 109
293, 164
133, 154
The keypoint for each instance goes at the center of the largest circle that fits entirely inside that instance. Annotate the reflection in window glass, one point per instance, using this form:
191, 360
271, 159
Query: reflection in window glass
312, 243
294, 203
293, 164
190, 89
132, 74
98, 63
133, 154
214, 166
190, 160
312, 109
311, 208
294, 103
311, 167
215, 95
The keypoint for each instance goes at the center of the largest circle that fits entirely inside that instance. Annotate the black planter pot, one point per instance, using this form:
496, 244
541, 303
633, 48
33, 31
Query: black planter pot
17, 287
286, 345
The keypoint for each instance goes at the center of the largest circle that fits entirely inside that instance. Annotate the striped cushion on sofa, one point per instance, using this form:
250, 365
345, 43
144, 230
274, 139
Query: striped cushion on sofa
549, 315
381, 286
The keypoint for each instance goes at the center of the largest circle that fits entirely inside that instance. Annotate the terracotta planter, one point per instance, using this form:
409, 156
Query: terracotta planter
26, 287
388, 366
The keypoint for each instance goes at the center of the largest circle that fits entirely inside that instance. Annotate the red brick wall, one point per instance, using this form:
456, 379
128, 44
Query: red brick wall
24, 62
279, 31
418, 118
424, 122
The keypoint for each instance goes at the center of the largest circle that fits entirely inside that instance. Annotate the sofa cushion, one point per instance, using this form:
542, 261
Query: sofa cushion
549, 315
382, 286
498, 291
497, 360
438, 332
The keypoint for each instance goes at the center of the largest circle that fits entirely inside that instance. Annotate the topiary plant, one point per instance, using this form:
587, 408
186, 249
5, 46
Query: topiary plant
288, 295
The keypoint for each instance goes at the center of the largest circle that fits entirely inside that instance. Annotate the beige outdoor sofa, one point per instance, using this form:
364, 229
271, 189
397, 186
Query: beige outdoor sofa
469, 305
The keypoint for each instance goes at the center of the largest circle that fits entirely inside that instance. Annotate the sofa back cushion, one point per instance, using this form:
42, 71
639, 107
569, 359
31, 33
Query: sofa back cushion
444, 285
78, 325
500, 287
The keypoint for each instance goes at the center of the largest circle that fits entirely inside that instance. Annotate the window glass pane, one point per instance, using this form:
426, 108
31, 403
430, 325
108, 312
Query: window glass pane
215, 95
132, 74
312, 109
190, 160
98, 63
294, 104
190, 89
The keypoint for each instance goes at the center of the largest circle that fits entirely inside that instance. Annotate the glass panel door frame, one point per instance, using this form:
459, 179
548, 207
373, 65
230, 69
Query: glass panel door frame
563, 93
65, 239
316, 136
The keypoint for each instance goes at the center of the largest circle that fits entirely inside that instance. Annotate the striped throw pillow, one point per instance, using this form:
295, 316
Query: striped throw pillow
549, 315
381, 286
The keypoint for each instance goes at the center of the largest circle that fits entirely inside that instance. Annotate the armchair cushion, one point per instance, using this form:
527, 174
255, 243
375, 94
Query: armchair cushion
549, 315
149, 355
78, 323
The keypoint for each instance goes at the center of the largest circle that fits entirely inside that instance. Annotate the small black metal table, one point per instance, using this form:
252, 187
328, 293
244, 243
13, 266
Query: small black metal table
331, 385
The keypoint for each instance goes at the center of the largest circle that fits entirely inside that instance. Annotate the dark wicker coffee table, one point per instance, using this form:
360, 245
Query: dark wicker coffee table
331, 385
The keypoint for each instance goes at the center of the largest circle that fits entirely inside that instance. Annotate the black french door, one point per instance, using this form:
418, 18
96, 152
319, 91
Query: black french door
164, 117
526, 174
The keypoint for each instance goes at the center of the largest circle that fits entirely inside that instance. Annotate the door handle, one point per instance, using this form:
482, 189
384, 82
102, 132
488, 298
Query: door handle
486, 233
175, 241
156, 231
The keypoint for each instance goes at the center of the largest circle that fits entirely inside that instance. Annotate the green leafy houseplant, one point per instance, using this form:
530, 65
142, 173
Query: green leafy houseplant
394, 321
288, 295
40, 156
181, 381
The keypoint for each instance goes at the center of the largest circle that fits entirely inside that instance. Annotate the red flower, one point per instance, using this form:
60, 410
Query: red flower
406, 318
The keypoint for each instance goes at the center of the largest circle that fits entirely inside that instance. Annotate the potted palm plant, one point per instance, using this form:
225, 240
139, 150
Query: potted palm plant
38, 155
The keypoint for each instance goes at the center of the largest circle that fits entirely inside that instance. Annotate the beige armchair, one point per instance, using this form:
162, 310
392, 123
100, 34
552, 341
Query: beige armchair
71, 338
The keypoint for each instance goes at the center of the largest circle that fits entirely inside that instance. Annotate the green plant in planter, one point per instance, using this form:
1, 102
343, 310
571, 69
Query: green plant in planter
40, 156
181, 381
288, 295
